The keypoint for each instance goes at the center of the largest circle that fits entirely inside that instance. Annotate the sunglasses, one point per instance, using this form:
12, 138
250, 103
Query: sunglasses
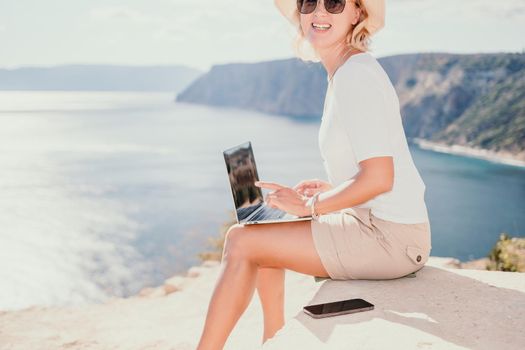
333, 6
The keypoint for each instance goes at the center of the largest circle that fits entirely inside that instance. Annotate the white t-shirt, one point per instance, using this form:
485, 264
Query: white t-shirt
362, 119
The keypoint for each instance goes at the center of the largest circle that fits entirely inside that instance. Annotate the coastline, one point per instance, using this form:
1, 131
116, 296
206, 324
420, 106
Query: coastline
497, 157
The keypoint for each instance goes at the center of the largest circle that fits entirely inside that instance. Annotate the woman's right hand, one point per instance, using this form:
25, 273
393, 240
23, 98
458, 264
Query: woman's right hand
310, 187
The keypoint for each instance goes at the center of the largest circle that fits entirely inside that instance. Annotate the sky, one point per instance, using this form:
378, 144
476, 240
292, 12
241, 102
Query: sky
201, 33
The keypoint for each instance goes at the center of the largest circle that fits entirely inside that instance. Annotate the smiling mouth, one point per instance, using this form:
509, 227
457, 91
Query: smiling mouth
321, 27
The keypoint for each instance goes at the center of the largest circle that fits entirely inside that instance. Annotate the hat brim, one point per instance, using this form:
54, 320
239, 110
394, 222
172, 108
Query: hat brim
288, 10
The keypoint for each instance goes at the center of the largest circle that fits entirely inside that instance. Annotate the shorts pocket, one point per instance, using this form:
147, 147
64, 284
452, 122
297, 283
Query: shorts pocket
416, 254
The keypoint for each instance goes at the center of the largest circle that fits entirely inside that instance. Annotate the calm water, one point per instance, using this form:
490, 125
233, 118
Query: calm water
105, 193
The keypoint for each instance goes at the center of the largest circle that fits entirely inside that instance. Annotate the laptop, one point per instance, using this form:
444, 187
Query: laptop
248, 199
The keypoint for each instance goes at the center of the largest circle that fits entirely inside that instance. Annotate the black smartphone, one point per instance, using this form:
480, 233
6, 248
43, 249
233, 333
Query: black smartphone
340, 307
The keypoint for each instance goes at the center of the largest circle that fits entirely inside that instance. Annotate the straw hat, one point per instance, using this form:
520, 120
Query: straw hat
374, 8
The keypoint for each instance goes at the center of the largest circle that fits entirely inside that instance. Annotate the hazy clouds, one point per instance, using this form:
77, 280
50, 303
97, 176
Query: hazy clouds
201, 33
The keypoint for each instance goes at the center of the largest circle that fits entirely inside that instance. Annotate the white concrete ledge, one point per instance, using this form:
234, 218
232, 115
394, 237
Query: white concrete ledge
441, 308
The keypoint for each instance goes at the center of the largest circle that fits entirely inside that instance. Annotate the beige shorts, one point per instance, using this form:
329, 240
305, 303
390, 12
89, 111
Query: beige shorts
355, 244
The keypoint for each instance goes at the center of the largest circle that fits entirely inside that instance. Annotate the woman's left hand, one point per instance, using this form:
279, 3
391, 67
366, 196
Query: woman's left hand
285, 198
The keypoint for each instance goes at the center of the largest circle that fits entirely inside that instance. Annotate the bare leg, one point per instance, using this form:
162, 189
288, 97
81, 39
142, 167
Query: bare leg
270, 287
246, 249
232, 294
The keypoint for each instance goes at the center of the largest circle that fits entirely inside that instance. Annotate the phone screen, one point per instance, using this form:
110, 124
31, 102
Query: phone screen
339, 307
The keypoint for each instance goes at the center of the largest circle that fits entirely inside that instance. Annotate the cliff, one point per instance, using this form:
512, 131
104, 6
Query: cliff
472, 100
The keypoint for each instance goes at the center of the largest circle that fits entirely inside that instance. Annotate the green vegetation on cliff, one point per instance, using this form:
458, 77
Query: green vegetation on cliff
508, 254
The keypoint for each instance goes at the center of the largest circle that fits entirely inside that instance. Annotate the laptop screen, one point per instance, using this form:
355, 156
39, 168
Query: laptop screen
242, 173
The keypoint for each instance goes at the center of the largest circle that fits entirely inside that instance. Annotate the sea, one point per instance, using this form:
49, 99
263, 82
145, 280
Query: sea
105, 193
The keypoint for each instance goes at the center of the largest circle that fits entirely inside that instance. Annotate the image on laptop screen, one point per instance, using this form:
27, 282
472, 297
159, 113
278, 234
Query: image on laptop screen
242, 172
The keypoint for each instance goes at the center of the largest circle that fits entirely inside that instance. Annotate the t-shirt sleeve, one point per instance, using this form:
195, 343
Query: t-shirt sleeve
362, 111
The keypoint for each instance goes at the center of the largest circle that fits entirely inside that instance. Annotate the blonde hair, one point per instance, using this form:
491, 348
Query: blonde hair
357, 37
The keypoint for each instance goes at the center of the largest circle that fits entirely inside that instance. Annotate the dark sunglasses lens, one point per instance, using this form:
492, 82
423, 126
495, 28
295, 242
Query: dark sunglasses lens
306, 6
334, 6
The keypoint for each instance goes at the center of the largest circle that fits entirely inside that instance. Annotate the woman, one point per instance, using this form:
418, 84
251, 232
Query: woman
370, 220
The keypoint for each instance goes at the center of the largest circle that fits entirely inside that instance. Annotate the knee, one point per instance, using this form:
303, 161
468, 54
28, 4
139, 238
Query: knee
233, 243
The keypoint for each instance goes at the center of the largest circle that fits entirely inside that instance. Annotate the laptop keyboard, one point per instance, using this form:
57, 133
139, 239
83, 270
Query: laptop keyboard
267, 212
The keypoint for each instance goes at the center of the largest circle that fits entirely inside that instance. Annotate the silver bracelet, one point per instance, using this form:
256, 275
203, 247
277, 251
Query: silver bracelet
314, 215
